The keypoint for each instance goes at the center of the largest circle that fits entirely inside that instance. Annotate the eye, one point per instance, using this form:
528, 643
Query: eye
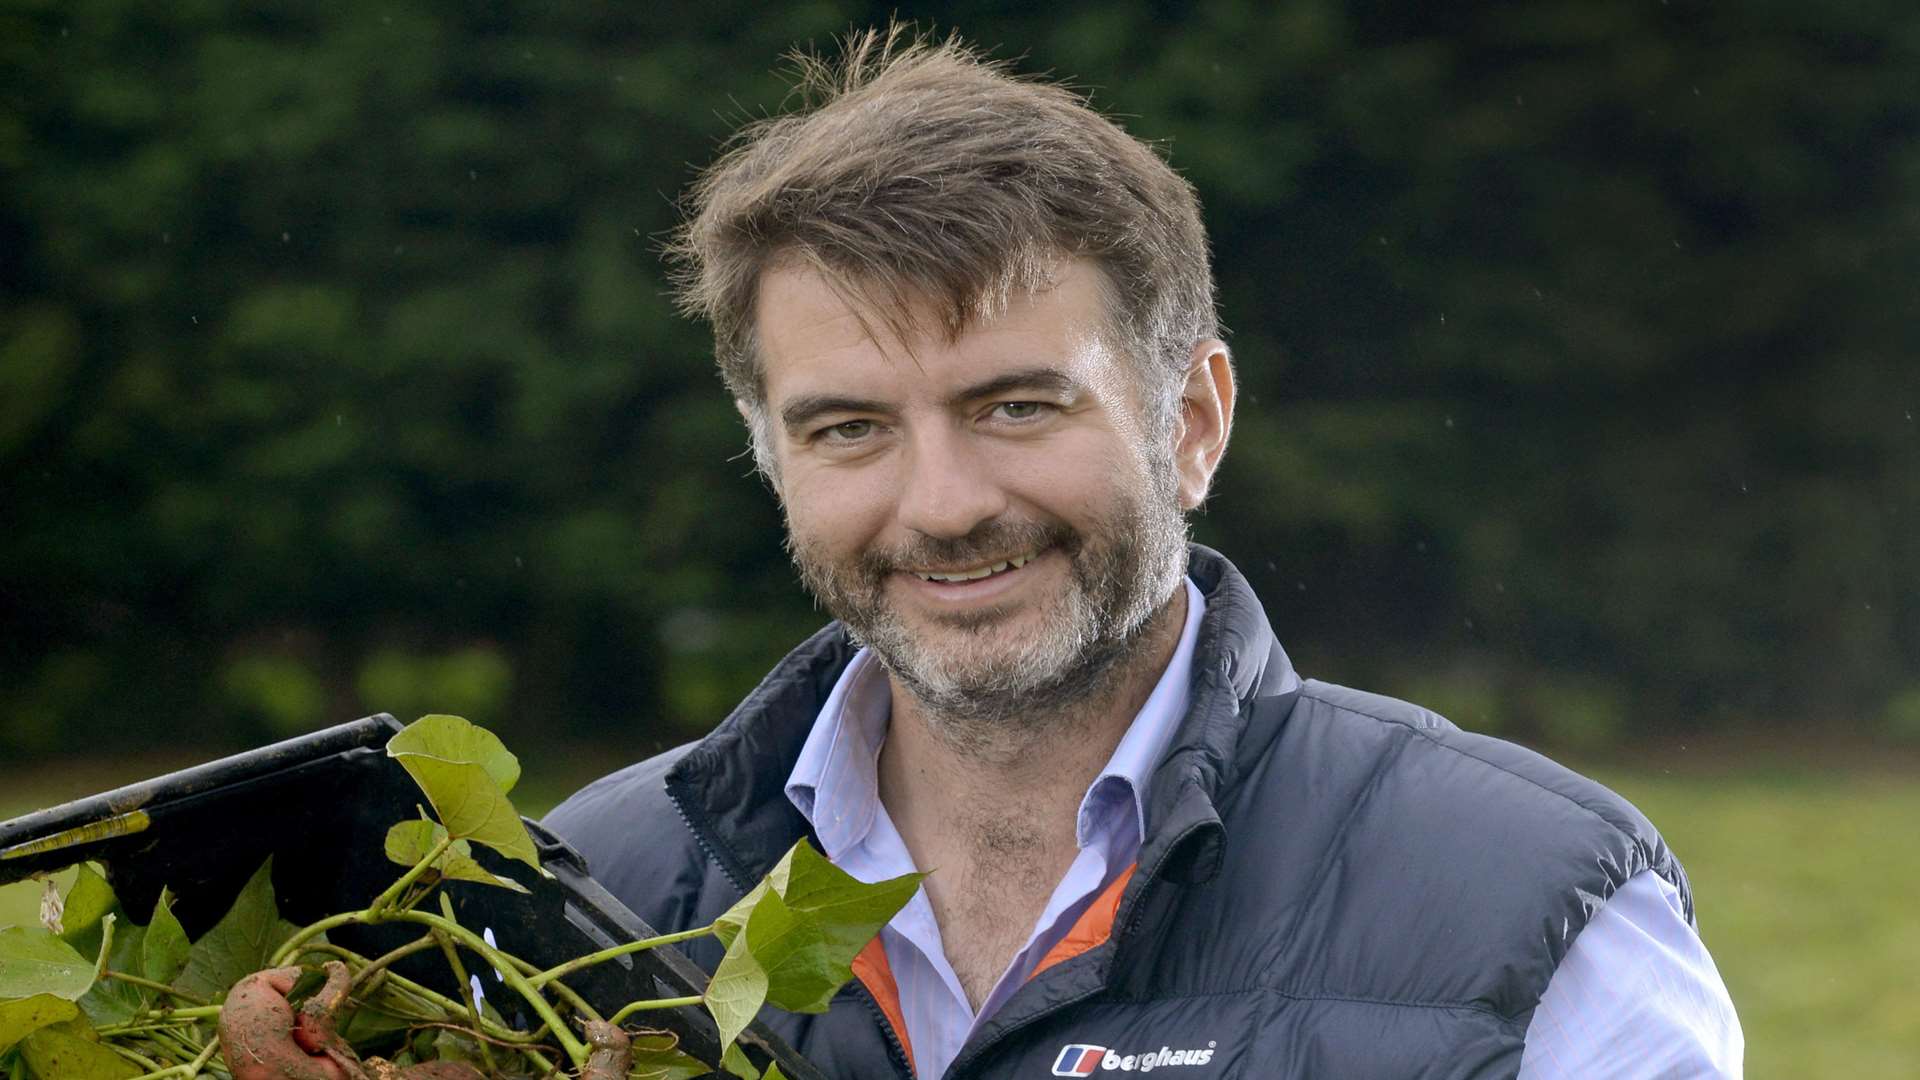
1021, 410
846, 431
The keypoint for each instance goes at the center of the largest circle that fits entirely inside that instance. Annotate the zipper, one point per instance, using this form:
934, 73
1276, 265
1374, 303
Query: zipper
896, 1050
700, 840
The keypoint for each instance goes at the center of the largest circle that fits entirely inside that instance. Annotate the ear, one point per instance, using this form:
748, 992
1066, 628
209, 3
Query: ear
1206, 418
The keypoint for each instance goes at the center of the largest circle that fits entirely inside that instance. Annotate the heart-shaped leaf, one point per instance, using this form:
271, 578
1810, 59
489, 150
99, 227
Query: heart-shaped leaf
33, 960
164, 952
240, 943
809, 923
21, 1018
409, 841
466, 774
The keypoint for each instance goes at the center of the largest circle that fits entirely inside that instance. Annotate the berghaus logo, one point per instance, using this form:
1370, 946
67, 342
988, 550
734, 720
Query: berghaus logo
1084, 1059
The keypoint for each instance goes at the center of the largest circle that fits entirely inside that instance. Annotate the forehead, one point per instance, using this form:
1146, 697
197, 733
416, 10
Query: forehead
809, 331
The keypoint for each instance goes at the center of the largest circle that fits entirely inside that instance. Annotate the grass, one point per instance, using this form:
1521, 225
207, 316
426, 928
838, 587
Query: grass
1804, 878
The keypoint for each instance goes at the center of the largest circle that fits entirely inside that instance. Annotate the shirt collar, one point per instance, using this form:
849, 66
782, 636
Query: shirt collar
835, 782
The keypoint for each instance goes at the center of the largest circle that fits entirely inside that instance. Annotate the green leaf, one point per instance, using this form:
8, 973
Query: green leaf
659, 1057
35, 961
773, 1072
408, 842
164, 952
451, 738
734, 919
792, 939
736, 991
734, 1060
21, 1018
240, 943
88, 899
814, 920
71, 1051
466, 774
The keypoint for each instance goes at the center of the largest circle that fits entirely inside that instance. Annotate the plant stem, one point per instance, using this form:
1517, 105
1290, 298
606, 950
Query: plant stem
135, 1057
460, 973
364, 977
509, 971
291, 947
436, 999
192, 999
190, 1069
604, 955
658, 1003
386, 898
106, 946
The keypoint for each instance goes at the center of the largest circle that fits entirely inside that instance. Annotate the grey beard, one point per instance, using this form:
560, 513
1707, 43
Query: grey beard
1124, 573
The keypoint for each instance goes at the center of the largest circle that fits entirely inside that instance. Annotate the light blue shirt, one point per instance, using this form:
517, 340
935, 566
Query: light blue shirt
1636, 995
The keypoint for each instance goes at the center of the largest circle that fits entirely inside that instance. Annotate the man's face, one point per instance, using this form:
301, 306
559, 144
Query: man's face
989, 514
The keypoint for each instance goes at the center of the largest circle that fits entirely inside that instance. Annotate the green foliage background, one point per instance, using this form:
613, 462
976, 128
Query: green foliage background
1578, 348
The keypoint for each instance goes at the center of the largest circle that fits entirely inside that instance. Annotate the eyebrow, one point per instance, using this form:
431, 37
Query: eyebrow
803, 410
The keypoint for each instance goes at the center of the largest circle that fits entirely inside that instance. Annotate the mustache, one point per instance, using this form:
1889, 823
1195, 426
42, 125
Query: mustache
991, 541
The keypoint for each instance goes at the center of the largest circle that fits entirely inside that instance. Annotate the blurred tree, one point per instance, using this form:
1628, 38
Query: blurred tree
1577, 345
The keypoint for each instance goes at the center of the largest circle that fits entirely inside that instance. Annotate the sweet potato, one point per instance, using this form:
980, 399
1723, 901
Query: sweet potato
256, 1032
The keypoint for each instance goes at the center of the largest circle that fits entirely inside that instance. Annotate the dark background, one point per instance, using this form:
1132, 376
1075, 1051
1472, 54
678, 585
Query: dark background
1577, 345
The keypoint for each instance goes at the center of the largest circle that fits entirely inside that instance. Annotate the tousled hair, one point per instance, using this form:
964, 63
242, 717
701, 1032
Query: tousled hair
919, 177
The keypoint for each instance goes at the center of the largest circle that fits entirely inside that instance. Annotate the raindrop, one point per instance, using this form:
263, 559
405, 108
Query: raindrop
386, 20
399, 248
518, 562
1443, 318
285, 237
473, 174
1449, 421
1468, 623
1696, 91
1518, 100
195, 318
166, 238
1420, 546
1301, 585
1537, 294
338, 419
1500, 587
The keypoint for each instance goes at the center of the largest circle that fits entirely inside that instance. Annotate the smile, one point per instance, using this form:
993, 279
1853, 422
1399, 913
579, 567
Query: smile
977, 573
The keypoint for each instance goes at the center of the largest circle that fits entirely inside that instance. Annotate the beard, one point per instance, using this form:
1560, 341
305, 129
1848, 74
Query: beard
979, 681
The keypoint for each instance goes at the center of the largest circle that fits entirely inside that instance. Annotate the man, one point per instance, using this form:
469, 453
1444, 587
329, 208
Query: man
970, 326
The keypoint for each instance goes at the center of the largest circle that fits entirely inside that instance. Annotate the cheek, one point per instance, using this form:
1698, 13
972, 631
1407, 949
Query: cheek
834, 511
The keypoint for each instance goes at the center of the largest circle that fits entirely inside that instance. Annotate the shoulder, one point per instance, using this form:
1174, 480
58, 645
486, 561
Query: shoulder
1481, 859
1419, 750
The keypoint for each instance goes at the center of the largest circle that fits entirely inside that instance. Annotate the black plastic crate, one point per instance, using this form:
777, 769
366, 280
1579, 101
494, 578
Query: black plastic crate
321, 805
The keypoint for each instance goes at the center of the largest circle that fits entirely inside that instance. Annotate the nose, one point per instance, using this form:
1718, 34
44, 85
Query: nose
950, 488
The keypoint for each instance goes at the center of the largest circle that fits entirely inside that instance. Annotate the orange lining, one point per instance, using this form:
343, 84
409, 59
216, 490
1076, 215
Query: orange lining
1093, 927
873, 971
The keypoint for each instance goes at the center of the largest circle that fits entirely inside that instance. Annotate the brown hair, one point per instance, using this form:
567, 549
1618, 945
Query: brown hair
919, 173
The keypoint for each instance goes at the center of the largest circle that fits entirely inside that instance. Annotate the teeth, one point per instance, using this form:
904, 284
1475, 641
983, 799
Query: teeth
976, 575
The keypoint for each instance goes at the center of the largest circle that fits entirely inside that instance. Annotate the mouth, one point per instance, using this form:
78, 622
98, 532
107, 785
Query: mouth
976, 573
